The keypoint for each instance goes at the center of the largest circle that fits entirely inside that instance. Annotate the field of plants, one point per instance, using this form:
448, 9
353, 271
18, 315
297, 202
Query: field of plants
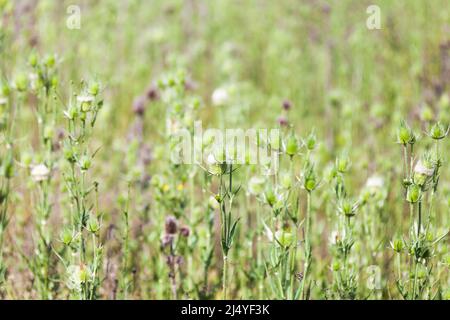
100, 199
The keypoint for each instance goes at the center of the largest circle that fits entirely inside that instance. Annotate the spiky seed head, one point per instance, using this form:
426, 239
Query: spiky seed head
414, 193
93, 225
405, 135
292, 146
284, 237
397, 245
438, 131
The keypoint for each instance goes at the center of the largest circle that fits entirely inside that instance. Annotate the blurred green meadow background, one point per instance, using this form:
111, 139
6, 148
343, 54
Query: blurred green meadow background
93, 208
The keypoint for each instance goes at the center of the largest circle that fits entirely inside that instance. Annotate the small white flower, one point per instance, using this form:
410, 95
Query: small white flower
85, 99
3, 101
40, 173
375, 182
420, 168
220, 97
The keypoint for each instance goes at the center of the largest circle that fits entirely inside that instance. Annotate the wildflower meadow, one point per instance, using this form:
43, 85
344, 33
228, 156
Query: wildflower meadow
215, 150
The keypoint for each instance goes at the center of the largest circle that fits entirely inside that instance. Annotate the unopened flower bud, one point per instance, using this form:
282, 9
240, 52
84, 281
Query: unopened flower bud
283, 121
139, 106
171, 225
185, 231
287, 105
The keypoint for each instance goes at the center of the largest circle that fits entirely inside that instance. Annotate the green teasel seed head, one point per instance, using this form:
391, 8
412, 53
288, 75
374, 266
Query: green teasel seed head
54, 82
94, 89
347, 207
270, 197
292, 146
310, 184
414, 193
21, 82
86, 106
284, 238
309, 178
311, 141
33, 59
85, 163
67, 236
70, 153
405, 135
93, 225
336, 266
342, 164
438, 131
397, 245
50, 61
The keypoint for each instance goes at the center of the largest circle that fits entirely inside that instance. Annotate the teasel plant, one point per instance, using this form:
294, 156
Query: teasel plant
283, 222
183, 105
421, 186
220, 164
125, 281
345, 283
309, 182
81, 237
205, 235
42, 83
6, 169
173, 244
372, 236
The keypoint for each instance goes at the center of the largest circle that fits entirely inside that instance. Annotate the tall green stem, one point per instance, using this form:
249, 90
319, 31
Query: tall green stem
307, 262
